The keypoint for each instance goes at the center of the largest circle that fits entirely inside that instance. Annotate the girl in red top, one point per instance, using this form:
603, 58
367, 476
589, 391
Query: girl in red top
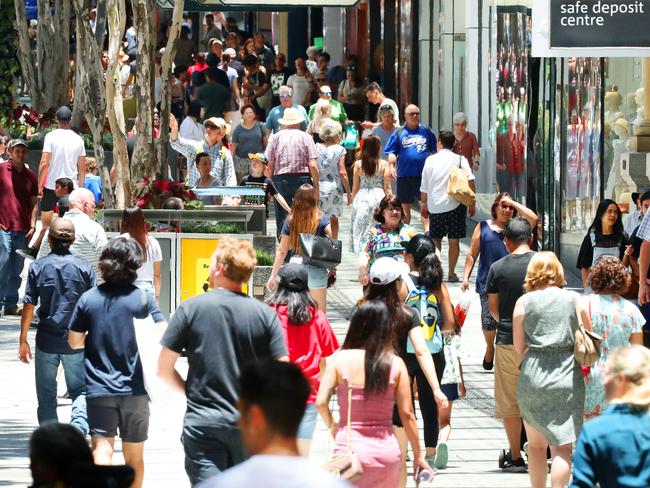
308, 335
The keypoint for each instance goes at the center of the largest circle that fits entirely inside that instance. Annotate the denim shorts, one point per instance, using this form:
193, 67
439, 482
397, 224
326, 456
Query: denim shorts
317, 276
308, 422
408, 188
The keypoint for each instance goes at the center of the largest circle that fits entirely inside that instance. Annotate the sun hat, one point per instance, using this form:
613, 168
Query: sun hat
291, 117
219, 122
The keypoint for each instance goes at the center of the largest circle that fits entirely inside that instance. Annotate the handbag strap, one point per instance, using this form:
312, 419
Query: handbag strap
577, 307
349, 437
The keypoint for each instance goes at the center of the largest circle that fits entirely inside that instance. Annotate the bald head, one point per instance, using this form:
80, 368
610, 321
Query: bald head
83, 200
412, 114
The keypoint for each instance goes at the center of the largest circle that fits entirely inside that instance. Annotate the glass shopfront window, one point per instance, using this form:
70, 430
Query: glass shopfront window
581, 176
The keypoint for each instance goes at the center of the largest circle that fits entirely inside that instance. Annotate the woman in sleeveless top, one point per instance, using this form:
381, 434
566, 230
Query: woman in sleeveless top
371, 183
487, 244
551, 389
605, 237
367, 371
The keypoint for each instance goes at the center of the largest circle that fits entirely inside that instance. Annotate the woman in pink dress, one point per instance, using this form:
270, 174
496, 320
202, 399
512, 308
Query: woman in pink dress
377, 378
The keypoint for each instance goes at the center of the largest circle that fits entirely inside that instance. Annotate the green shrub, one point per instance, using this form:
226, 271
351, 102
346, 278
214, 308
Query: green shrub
264, 258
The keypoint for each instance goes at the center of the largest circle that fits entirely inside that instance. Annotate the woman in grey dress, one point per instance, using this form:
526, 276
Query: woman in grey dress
551, 389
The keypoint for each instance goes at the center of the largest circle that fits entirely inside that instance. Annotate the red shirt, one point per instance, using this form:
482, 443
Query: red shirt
200, 67
308, 344
16, 191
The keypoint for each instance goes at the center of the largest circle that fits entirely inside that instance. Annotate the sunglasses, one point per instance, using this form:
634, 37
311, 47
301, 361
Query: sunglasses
412, 114
394, 209
211, 127
509, 208
285, 95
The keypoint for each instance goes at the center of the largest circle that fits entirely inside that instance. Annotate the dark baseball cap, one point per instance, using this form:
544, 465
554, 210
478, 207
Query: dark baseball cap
62, 229
294, 277
64, 114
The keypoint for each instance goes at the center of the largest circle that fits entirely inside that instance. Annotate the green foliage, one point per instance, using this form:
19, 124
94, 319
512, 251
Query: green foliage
210, 228
264, 258
8, 60
194, 205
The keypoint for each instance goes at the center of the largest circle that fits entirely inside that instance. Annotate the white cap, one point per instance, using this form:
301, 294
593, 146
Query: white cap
230, 52
386, 270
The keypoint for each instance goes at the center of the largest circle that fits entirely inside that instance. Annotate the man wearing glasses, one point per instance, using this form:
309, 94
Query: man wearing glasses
285, 94
223, 167
406, 150
90, 237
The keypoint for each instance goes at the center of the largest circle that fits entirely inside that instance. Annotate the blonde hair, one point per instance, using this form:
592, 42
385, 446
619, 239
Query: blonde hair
237, 257
633, 363
543, 270
305, 216
322, 113
91, 163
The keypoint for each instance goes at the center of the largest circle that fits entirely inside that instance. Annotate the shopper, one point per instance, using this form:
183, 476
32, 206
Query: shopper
386, 127
256, 179
371, 183
18, 200
302, 84
286, 97
487, 245
308, 335
446, 215
605, 236
64, 155
376, 97
428, 295
115, 392
292, 161
350, 93
505, 284
305, 217
551, 390
149, 273
465, 143
616, 320
271, 404
384, 238
249, 137
330, 157
368, 372
220, 331
613, 449
58, 280
407, 149
206, 180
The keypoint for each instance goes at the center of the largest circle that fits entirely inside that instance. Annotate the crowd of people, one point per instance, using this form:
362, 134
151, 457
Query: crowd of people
260, 374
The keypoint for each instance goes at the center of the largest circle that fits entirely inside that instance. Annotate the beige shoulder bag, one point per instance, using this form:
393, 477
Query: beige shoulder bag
586, 345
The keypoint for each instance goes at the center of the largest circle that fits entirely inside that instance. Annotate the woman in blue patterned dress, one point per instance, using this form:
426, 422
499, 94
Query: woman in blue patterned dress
618, 321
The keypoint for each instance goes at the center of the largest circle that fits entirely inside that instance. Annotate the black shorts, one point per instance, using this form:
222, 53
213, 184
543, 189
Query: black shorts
408, 188
128, 413
451, 224
49, 200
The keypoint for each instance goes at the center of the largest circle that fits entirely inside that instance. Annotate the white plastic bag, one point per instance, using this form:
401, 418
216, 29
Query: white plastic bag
148, 336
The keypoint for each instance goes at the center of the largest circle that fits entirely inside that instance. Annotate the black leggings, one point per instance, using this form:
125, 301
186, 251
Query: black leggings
428, 405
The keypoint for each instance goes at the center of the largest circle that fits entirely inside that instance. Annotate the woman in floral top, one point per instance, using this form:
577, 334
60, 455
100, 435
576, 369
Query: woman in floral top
385, 238
617, 320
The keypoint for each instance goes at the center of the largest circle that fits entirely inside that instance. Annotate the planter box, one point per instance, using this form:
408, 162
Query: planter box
261, 276
265, 243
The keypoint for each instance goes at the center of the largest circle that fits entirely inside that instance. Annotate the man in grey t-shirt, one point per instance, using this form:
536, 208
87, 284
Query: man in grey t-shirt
220, 331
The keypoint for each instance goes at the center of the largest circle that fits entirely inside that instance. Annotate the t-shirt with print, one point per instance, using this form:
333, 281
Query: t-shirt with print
378, 243
615, 244
412, 147
112, 358
278, 79
506, 277
262, 182
307, 344
221, 331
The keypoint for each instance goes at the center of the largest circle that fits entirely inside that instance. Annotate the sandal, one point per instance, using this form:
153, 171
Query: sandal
331, 278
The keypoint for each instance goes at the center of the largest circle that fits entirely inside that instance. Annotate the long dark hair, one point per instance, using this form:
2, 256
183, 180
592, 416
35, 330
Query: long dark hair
133, 223
370, 329
301, 307
370, 155
401, 316
597, 224
431, 273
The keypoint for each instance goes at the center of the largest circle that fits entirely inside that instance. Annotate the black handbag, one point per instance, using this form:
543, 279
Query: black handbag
323, 252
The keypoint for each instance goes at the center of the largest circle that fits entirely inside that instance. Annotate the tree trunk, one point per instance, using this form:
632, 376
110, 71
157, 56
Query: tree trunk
100, 24
46, 71
143, 162
91, 92
116, 10
162, 144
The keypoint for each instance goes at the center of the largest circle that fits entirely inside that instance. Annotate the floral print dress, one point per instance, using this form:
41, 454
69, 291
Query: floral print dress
613, 318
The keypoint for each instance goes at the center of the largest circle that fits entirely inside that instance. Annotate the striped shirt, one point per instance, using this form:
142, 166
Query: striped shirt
89, 239
644, 229
290, 151
223, 168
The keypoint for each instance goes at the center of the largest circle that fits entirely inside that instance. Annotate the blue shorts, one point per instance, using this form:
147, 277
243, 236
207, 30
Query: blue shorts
317, 277
408, 188
450, 391
308, 423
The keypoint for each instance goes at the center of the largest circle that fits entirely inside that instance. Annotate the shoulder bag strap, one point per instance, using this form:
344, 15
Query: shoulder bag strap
349, 436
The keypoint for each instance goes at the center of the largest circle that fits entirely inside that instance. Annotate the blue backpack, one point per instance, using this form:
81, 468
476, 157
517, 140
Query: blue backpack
426, 304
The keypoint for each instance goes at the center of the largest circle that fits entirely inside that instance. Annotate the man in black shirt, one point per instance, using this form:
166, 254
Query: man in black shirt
504, 287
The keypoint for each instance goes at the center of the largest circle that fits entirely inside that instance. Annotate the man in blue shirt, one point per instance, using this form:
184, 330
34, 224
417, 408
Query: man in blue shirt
286, 101
407, 149
58, 279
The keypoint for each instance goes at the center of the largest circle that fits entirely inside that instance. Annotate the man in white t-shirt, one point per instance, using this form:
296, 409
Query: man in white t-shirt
272, 399
446, 215
64, 156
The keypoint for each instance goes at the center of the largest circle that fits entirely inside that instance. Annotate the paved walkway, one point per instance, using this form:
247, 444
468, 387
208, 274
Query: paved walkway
474, 445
